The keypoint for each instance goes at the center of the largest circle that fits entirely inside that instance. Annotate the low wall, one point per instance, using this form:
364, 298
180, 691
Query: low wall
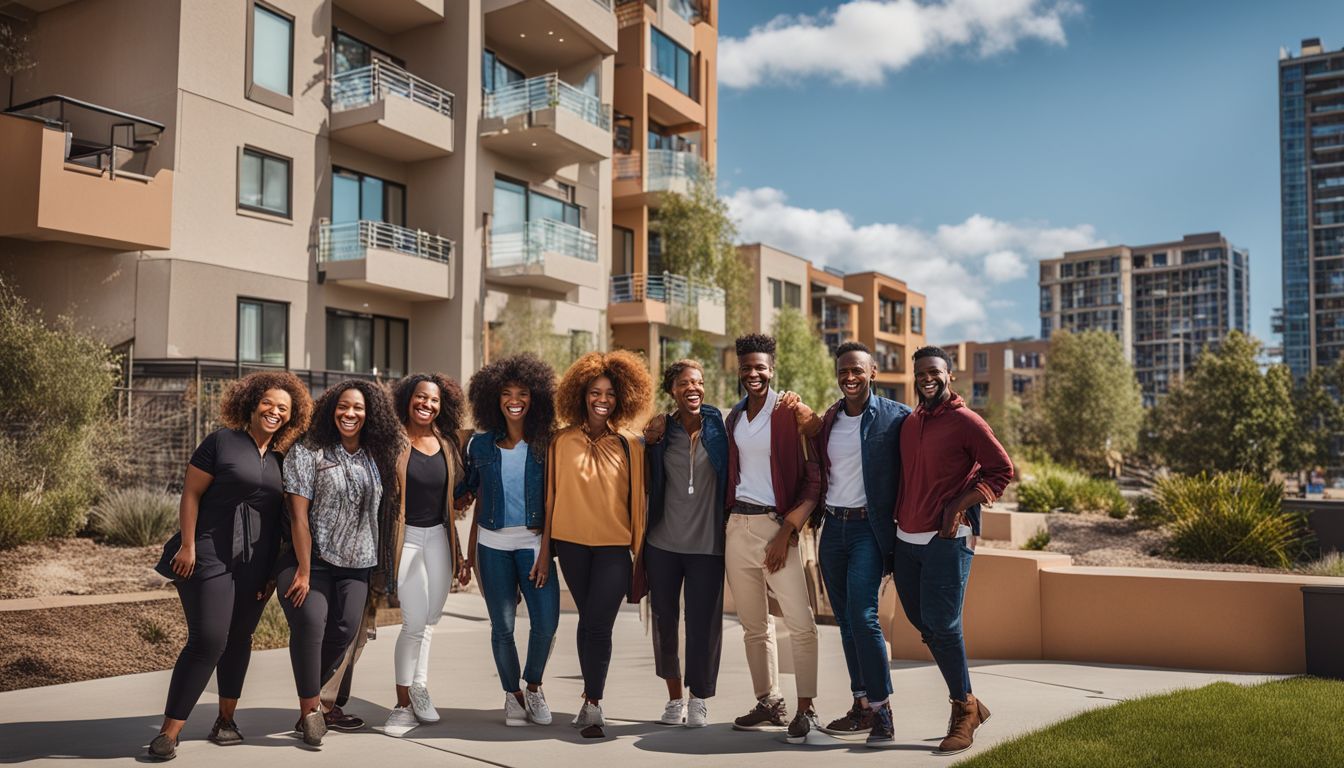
1011, 526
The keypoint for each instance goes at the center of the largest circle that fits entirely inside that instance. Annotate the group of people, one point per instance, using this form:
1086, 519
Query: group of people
339, 504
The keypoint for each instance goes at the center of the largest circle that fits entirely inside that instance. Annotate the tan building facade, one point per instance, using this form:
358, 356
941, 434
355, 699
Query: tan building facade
337, 185
988, 374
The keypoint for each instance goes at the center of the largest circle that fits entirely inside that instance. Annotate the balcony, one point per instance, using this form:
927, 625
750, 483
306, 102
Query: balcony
547, 255
76, 172
550, 34
383, 257
668, 171
546, 121
387, 111
666, 299
395, 16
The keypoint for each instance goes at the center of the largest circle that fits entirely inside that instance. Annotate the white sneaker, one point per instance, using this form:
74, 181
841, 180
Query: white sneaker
697, 713
674, 712
537, 709
400, 722
592, 714
424, 708
514, 713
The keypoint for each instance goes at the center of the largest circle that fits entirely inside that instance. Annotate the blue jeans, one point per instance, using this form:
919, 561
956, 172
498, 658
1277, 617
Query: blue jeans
931, 582
503, 574
851, 565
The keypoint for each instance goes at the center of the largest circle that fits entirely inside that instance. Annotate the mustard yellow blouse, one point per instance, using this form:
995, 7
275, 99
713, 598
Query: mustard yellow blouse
587, 483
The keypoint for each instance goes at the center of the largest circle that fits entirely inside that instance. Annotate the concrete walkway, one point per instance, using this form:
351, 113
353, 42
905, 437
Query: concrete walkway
111, 720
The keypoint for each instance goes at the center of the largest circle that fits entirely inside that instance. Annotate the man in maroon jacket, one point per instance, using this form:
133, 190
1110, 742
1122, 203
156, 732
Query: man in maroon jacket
950, 465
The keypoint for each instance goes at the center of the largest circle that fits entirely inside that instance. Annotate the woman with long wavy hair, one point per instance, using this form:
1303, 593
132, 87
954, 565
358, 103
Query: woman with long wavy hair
335, 482
422, 549
221, 559
512, 403
595, 505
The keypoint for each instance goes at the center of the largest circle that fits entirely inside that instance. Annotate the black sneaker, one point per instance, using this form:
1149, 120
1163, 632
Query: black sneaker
804, 723
225, 732
883, 734
343, 721
768, 715
857, 720
163, 747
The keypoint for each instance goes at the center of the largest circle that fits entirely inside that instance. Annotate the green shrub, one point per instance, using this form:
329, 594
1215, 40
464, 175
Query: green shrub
151, 632
135, 517
1230, 517
1034, 497
1332, 564
1148, 511
1038, 541
1047, 487
272, 631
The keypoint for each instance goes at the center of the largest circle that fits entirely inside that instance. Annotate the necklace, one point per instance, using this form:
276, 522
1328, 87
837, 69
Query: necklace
690, 488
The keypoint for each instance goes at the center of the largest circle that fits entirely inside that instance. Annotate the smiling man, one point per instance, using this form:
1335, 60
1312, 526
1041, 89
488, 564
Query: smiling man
951, 464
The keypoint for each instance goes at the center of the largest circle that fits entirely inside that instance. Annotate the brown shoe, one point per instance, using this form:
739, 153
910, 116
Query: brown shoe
859, 719
966, 716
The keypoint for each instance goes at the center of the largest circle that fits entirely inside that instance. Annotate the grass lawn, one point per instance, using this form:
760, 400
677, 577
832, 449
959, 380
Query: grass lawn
1296, 722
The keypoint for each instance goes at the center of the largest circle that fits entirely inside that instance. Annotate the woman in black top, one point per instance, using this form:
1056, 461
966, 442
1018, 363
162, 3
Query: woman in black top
221, 560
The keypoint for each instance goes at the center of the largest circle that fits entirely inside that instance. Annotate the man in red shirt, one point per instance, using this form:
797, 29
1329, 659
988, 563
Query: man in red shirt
950, 465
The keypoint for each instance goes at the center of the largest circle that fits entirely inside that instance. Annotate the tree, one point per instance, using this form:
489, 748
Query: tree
525, 325
698, 241
1320, 420
1091, 402
802, 361
1226, 415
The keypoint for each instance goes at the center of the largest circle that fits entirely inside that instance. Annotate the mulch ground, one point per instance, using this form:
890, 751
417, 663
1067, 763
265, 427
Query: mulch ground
77, 566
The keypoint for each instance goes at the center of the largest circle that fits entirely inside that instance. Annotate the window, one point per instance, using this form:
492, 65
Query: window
349, 52
979, 392
655, 253
917, 320
358, 343
263, 182
793, 295
514, 207
358, 196
671, 62
622, 250
270, 58
776, 293
263, 332
496, 74
981, 362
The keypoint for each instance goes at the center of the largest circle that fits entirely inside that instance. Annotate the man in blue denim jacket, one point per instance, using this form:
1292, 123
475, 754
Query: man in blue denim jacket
860, 474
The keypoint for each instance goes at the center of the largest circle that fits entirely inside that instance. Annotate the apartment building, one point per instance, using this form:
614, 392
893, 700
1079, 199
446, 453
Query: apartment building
1165, 302
341, 185
834, 309
891, 324
665, 136
1311, 158
989, 374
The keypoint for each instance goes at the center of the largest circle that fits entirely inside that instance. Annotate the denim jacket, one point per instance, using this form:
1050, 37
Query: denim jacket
880, 444
715, 439
483, 478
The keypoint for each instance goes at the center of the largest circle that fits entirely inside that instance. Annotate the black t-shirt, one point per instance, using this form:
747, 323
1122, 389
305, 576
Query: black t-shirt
426, 489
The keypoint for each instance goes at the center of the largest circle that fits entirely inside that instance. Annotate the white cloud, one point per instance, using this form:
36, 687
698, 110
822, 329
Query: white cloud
957, 266
863, 40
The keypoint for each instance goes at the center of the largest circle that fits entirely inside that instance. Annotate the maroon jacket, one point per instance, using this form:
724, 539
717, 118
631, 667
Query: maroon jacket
945, 452
795, 475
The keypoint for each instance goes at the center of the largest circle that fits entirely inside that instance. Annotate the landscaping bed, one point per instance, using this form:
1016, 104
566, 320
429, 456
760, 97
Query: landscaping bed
77, 566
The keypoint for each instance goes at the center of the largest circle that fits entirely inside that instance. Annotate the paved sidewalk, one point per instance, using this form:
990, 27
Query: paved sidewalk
66, 601
111, 720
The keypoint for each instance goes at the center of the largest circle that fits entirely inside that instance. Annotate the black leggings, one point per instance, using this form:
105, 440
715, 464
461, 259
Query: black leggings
703, 579
221, 616
322, 628
598, 579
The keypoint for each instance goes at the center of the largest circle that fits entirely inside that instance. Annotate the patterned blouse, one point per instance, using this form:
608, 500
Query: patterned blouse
345, 490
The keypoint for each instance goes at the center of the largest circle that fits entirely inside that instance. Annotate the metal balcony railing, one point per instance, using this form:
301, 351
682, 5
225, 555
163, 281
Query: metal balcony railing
539, 237
667, 288
360, 87
627, 166
113, 142
544, 92
350, 240
669, 166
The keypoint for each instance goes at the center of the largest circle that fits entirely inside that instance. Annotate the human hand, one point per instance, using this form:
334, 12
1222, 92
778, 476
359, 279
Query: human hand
464, 501
794, 402
298, 589
184, 562
541, 570
464, 570
777, 551
653, 431
951, 520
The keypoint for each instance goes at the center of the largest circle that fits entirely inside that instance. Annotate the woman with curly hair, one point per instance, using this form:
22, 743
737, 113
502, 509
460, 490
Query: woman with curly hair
335, 481
512, 403
221, 559
595, 504
422, 548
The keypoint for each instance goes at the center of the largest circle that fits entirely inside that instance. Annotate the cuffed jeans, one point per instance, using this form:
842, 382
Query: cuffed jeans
702, 576
503, 574
744, 555
851, 565
931, 582
423, 578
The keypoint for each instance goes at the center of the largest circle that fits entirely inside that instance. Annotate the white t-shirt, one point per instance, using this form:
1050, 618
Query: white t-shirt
926, 537
844, 478
509, 539
752, 437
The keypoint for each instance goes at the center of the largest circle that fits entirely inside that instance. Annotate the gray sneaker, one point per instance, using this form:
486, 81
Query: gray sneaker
514, 711
422, 705
163, 747
538, 711
313, 727
225, 732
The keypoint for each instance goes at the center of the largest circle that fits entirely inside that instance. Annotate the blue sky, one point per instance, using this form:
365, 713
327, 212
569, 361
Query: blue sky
954, 143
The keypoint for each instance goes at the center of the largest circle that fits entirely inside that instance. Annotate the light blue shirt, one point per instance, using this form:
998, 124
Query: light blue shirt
513, 471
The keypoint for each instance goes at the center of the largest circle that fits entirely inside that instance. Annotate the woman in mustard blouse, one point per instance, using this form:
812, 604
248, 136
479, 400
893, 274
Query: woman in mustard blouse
595, 504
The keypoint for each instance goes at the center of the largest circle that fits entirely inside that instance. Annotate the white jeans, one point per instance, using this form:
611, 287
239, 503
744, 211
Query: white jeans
423, 578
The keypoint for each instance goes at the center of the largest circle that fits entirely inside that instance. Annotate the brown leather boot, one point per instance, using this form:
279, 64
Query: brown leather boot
966, 717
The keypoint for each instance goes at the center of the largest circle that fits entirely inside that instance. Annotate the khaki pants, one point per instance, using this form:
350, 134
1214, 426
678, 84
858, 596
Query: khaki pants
744, 555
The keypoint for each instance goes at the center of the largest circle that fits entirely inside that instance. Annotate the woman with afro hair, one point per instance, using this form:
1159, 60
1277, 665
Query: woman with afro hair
221, 560
512, 403
335, 483
422, 544
595, 504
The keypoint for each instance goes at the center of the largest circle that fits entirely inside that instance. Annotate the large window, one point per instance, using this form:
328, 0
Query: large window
350, 52
359, 343
270, 60
916, 320
358, 196
497, 74
263, 182
622, 250
263, 332
671, 62
784, 293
